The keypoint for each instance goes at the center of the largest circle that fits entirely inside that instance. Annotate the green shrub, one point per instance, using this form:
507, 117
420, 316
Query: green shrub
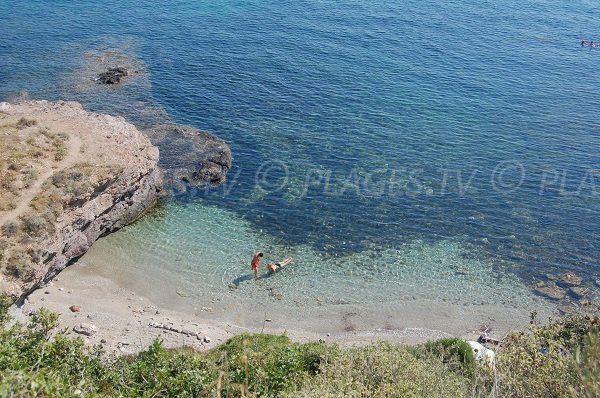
587, 358
5, 303
60, 151
38, 360
269, 365
455, 353
383, 370
160, 372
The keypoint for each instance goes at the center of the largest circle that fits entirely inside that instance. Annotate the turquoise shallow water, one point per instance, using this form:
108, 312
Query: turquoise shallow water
387, 147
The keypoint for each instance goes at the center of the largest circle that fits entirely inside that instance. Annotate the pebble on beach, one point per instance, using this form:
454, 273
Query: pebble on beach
86, 329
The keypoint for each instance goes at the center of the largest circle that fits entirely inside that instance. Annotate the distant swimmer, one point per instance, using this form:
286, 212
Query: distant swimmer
255, 263
275, 267
589, 43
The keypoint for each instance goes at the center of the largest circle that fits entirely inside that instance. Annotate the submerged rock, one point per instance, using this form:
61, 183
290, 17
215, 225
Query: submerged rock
553, 292
112, 76
578, 292
567, 309
191, 156
570, 278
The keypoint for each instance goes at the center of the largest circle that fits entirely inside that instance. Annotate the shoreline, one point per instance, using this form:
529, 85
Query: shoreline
125, 321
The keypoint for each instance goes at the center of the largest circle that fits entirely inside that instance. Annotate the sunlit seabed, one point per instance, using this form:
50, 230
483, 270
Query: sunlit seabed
198, 251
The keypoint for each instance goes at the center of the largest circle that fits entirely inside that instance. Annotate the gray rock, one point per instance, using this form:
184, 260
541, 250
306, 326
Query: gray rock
190, 156
206, 339
87, 329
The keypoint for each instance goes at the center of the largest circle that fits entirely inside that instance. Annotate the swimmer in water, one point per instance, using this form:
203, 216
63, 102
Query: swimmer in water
274, 267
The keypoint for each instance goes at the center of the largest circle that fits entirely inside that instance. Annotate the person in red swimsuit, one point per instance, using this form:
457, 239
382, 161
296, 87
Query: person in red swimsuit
255, 263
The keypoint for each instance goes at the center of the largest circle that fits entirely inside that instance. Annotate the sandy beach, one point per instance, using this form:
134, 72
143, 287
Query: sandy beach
125, 321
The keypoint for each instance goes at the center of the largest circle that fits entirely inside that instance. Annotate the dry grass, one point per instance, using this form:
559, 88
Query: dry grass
23, 123
24, 152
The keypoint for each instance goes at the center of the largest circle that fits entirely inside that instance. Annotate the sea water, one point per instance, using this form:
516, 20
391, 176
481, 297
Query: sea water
399, 151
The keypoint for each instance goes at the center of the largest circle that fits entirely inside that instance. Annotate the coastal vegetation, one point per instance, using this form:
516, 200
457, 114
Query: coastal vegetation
559, 359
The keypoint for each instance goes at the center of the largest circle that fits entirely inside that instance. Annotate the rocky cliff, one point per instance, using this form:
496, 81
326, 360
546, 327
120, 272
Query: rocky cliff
67, 177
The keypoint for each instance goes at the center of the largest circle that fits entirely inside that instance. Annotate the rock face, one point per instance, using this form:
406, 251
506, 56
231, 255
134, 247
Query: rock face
190, 156
106, 177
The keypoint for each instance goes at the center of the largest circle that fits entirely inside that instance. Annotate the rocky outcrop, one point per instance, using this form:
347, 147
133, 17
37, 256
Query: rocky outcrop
106, 177
190, 156
112, 76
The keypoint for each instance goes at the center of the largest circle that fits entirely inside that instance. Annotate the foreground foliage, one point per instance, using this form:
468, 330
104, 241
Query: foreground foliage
561, 359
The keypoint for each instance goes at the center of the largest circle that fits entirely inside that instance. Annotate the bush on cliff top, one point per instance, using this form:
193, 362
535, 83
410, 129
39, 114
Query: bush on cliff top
561, 359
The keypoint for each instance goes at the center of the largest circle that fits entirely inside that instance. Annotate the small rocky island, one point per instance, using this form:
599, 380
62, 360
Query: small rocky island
67, 177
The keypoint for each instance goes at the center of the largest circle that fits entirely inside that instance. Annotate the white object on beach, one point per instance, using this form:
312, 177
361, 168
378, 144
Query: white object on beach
483, 355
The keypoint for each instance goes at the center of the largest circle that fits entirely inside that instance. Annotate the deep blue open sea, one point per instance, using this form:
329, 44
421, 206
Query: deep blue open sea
390, 142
